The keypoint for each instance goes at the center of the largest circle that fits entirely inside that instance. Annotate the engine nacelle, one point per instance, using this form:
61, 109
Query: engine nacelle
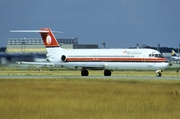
63, 58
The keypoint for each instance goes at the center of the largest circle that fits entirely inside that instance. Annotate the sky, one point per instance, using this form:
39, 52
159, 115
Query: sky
118, 23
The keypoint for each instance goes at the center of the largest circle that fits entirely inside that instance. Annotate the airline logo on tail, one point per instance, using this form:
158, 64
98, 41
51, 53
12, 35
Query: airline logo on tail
46, 34
48, 38
173, 53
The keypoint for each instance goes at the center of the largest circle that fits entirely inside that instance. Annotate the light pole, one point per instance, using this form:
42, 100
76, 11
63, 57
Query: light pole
23, 45
137, 46
158, 47
178, 49
104, 44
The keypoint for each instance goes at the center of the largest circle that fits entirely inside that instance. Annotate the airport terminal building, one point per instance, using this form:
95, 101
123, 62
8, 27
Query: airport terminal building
36, 45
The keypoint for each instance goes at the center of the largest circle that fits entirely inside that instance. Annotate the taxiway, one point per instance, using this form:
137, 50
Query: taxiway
89, 77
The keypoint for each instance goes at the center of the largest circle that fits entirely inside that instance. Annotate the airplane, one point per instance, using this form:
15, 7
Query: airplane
98, 59
174, 55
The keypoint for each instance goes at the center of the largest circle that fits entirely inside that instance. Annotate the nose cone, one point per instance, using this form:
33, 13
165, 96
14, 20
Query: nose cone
165, 65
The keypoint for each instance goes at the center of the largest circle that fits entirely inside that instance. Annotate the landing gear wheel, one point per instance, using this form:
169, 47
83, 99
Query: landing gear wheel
159, 74
107, 73
84, 72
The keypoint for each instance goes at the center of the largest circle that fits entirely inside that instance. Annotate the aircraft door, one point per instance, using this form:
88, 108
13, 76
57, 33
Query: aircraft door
95, 57
143, 59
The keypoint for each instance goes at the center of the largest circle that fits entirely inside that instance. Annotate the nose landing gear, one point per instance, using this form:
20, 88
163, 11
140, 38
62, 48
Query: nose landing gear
159, 73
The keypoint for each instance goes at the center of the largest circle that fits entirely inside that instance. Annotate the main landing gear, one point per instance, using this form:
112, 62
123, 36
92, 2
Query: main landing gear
159, 73
107, 73
85, 72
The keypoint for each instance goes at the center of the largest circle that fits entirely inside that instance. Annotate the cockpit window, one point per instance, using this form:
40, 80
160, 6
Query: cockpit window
156, 55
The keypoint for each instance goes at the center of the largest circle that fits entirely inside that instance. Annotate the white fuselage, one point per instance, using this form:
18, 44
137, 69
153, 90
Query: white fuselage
110, 59
175, 57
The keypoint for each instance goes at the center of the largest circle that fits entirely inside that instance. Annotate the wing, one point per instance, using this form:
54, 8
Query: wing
71, 65
37, 63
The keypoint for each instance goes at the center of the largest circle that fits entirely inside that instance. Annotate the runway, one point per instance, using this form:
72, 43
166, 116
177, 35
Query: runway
89, 77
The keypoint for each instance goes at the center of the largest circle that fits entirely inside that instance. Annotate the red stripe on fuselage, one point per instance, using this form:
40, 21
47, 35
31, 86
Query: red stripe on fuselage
99, 59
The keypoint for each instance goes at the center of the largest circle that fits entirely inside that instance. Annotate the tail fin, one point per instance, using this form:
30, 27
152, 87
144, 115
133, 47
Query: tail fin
46, 34
173, 53
48, 38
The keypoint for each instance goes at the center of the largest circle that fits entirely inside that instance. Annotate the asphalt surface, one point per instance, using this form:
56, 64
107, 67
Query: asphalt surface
90, 77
